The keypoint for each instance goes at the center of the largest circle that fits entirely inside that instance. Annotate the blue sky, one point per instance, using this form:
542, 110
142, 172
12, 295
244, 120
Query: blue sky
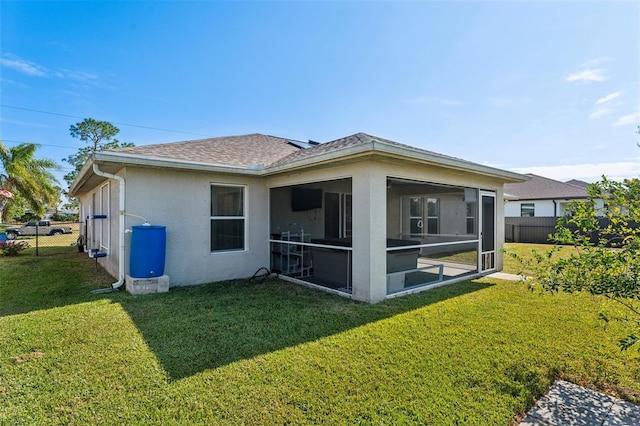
546, 87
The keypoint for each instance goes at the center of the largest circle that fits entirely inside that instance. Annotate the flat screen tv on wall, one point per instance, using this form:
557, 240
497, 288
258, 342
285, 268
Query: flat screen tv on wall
306, 199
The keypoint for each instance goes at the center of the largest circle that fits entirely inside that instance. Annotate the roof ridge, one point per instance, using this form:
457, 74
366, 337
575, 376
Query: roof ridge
359, 138
542, 187
234, 150
212, 138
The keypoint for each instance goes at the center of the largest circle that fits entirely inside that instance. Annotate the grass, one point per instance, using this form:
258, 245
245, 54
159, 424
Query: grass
466, 257
477, 352
523, 251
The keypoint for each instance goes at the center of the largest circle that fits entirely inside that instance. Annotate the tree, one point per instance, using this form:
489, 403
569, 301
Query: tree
100, 135
29, 178
16, 209
604, 257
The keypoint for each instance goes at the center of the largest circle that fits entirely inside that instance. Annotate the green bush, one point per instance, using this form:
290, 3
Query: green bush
608, 265
26, 217
64, 217
13, 248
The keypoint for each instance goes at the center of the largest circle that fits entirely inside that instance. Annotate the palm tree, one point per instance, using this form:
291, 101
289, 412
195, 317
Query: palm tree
23, 174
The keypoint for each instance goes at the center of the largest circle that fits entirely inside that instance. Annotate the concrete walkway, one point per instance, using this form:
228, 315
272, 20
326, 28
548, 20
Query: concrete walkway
505, 276
567, 404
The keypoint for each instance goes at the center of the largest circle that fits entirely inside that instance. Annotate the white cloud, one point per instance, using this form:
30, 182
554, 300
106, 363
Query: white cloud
586, 172
23, 66
78, 75
599, 113
628, 119
608, 98
30, 68
587, 75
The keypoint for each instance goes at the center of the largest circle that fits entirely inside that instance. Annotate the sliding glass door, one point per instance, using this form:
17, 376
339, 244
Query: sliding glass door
337, 215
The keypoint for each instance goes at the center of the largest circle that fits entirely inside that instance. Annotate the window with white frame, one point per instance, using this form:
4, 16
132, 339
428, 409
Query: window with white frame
228, 221
433, 216
471, 218
416, 216
527, 209
424, 211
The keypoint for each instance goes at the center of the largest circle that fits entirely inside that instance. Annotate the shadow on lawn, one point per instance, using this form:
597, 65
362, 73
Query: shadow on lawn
58, 277
194, 329
198, 328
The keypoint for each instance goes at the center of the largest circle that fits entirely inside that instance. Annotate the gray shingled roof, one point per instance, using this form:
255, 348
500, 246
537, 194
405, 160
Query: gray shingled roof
273, 153
228, 150
578, 183
347, 142
542, 188
253, 149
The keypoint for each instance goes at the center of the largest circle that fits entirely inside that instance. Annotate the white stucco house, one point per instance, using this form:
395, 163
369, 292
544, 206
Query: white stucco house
361, 216
542, 197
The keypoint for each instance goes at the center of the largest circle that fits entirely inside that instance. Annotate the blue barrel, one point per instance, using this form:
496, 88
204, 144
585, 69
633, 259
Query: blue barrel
148, 247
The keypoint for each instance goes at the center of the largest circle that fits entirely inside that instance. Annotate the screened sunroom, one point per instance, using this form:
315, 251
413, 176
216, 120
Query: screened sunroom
435, 233
451, 231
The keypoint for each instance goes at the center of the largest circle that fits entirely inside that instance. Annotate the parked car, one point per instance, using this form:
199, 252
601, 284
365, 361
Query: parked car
43, 227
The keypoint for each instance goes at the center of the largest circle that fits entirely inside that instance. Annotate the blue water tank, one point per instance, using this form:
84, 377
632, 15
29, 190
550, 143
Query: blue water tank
148, 247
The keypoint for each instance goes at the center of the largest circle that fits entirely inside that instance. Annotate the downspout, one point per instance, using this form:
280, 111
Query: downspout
121, 185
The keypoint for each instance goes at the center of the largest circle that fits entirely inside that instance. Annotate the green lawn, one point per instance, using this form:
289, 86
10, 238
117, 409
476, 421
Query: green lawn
512, 266
477, 352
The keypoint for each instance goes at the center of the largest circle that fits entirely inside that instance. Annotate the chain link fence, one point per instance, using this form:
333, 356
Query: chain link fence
46, 237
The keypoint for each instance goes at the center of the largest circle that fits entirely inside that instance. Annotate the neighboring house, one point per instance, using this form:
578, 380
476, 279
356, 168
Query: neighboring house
361, 216
541, 197
577, 182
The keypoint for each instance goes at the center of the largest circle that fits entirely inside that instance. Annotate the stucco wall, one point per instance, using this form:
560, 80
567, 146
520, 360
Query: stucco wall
180, 200
543, 208
184, 206
91, 226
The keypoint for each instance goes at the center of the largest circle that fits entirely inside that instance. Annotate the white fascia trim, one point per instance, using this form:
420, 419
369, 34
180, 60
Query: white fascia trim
450, 162
144, 160
347, 153
510, 197
82, 176
141, 160
407, 153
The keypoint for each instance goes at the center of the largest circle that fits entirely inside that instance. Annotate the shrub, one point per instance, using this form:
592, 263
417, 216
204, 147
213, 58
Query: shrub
64, 217
28, 216
610, 266
13, 248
